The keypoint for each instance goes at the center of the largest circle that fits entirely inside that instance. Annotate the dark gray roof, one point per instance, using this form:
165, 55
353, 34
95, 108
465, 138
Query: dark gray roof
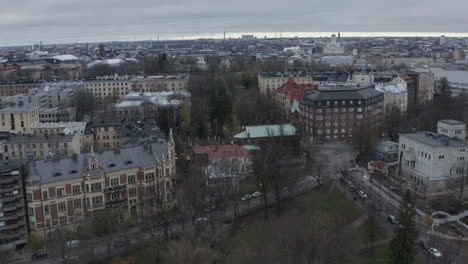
354, 93
37, 138
9, 165
451, 122
285, 74
435, 140
112, 160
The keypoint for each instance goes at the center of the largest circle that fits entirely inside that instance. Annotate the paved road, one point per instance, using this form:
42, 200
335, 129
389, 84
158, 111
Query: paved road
452, 251
138, 238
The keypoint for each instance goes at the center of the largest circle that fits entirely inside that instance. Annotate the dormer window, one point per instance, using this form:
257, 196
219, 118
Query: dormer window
57, 174
129, 162
73, 171
111, 165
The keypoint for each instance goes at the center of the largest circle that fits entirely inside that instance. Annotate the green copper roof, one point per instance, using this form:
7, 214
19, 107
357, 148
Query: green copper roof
267, 131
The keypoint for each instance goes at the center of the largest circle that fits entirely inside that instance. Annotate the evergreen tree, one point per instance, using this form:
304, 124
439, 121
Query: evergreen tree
403, 246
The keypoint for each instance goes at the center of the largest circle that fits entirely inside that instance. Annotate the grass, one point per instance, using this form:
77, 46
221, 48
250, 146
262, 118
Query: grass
363, 231
378, 256
248, 185
316, 206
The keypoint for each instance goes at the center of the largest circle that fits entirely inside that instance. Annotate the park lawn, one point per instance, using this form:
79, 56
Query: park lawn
379, 256
320, 205
248, 185
363, 230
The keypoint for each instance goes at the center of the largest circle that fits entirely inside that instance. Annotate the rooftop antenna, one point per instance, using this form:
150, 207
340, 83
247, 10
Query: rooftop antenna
150, 43
224, 34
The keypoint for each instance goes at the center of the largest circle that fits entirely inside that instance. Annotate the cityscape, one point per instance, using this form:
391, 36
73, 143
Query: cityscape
192, 145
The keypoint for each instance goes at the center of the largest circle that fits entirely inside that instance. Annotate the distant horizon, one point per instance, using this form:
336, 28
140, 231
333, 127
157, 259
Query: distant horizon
236, 35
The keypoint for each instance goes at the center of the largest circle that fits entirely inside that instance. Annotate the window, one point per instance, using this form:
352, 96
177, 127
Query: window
359, 109
45, 195
62, 207
115, 196
29, 197
63, 220
77, 203
114, 181
46, 209
48, 223
96, 187
76, 189
97, 200
131, 179
30, 211
149, 176
59, 192
359, 116
132, 192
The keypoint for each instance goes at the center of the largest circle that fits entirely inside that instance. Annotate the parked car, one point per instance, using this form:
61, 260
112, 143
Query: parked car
73, 244
256, 194
393, 220
120, 244
435, 252
68, 258
210, 208
423, 244
246, 197
39, 255
362, 194
200, 220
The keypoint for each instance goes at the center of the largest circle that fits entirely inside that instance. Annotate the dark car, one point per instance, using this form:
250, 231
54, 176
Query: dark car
39, 255
423, 244
392, 219
120, 244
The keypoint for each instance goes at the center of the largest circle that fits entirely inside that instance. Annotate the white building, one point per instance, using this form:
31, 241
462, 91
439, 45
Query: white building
333, 47
452, 129
395, 96
432, 162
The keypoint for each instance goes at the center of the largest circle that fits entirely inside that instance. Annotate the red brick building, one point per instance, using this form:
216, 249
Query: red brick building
14, 88
333, 113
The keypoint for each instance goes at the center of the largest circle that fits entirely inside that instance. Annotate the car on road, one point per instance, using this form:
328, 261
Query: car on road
351, 185
256, 194
73, 244
246, 197
68, 258
210, 208
200, 220
362, 194
435, 252
393, 220
120, 244
423, 244
39, 255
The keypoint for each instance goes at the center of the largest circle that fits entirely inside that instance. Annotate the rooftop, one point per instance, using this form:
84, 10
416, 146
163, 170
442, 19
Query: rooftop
18, 109
342, 93
47, 171
285, 74
221, 151
435, 140
451, 122
267, 131
395, 88
69, 128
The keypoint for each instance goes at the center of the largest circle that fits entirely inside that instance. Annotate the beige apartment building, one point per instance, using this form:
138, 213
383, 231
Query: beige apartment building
131, 181
426, 88
39, 146
112, 88
19, 118
268, 82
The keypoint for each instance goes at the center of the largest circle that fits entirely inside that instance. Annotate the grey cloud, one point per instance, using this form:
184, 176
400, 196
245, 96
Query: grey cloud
57, 21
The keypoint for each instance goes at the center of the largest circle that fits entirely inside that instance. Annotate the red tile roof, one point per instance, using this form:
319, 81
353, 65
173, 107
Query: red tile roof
295, 90
221, 151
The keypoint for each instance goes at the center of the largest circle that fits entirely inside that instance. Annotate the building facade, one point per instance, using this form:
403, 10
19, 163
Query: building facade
334, 113
129, 181
268, 82
395, 96
13, 225
19, 119
58, 114
431, 162
14, 88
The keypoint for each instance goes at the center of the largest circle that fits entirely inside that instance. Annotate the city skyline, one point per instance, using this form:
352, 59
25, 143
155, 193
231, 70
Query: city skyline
53, 21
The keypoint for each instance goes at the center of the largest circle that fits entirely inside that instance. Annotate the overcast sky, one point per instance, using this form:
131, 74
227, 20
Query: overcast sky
62, 21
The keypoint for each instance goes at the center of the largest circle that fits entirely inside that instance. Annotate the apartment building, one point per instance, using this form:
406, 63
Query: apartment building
57, 114
19, 118
332, 113
395, 96
116, 87
66, 128
17, 87
432, 163
452, 129
62, 192
268, 82
39, 146
289, 92
13, 226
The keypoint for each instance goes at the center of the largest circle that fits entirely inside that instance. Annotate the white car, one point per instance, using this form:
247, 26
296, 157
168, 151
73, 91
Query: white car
73, 244
362, 194
200, 220
435, 252
246, 197
256, 194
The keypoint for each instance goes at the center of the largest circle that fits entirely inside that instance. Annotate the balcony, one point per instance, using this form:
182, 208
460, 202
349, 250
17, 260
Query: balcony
116, 202
9, 179
115, 188
12, 198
